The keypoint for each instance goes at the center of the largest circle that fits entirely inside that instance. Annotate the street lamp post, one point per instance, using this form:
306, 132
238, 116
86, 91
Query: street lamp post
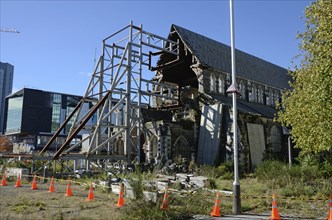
233, 89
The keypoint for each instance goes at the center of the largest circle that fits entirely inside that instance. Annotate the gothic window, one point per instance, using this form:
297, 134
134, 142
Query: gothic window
273, 97
213, 83
260, 94
181, 148
119, 147
221, 85
242, 89
154, 146
269, 98
253, 95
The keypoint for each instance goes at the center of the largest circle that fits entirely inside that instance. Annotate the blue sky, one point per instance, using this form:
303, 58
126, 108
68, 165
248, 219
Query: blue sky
55, 50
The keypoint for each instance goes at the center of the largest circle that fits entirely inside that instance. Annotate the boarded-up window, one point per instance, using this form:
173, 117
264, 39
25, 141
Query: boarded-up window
209, 134
256, 143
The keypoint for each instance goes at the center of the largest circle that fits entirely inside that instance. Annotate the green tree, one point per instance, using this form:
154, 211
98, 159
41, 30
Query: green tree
308, 107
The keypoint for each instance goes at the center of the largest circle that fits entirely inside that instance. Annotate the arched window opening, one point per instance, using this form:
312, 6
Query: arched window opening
260, 94
253, 95
221, 85
242, 90
154, 146
213, 83
182, 148
119, 147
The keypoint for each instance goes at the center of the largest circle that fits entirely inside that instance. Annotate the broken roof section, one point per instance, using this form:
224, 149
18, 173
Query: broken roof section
216, 55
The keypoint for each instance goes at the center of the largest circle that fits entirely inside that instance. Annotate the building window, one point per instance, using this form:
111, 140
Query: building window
272, 98
260, 94
56, 112
253, 94
268, 97
221, 85
242, 89
213, 83
71, 104
182, 148
14, 119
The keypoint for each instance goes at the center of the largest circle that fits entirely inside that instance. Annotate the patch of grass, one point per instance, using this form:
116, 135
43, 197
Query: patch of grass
26, 206
140, 208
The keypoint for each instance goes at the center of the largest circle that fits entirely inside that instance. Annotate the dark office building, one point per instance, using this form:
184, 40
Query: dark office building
34, 115
6, 86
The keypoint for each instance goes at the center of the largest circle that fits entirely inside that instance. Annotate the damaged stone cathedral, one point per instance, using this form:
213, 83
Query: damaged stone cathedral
200, 128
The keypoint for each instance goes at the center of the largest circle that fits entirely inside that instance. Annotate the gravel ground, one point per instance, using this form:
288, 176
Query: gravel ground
24, 203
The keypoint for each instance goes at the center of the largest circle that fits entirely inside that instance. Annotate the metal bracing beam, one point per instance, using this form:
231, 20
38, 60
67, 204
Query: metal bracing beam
77, 144
82, 123
61, 127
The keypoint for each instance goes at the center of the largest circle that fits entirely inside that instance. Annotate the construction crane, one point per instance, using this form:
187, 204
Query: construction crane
10, 30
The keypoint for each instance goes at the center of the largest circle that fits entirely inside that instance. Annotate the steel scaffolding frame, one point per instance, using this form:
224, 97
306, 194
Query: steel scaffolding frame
118, 92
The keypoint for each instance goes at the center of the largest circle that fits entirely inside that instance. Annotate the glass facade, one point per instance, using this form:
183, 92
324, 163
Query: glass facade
36, 115
6, 84
62, 107
70, 106
14, 116
56, 112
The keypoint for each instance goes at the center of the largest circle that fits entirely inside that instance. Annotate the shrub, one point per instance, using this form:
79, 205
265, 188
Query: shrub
305, 179
210, 183
270, 169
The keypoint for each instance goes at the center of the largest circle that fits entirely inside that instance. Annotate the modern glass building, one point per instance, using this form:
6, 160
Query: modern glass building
6, 86
33, 116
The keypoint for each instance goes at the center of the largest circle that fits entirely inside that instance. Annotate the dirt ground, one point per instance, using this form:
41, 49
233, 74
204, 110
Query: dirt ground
24, 203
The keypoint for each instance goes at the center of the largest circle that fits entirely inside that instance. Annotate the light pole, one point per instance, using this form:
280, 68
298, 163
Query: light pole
233, 89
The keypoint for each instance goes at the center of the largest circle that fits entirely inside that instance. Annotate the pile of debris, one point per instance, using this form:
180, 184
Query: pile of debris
187, 181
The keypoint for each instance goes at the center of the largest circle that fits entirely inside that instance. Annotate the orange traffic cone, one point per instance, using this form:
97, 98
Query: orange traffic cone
275, 214
216, 208
329, 216
68, 191
3, 181
91, 196
34, 183
51, 190
121, 199
165, 204
18, 182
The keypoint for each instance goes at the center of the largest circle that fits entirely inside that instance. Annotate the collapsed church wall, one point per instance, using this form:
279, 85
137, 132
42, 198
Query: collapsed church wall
200, 127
